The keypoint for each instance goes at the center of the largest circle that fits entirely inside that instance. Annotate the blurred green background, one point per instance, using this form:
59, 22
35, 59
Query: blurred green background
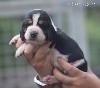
93, 32
80, 22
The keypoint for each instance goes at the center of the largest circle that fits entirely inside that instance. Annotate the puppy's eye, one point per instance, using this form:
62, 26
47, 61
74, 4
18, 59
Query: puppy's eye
29, 22
41, 22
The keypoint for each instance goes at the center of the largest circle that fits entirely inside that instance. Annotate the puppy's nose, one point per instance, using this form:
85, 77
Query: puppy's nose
33, 34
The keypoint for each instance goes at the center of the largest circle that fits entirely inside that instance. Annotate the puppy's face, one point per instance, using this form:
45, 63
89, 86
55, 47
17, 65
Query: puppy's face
37, 26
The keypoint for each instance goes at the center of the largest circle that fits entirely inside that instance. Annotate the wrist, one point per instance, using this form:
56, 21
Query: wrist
44, 72
43, 85
19, 42
38, 81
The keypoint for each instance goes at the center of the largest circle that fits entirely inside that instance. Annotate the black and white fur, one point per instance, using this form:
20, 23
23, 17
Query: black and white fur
38, 27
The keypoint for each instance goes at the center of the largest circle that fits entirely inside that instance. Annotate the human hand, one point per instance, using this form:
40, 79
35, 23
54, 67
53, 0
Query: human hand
76, 78
40, 60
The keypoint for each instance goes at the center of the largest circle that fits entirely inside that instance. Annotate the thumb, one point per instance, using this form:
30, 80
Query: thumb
71, 70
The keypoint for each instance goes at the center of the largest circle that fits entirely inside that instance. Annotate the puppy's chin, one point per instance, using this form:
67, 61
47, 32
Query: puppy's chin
35, 41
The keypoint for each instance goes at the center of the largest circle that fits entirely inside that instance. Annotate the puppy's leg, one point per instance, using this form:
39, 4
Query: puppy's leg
14, 39
20, 50
50, 80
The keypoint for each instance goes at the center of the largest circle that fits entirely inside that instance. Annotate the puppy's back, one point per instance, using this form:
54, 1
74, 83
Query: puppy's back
67, 46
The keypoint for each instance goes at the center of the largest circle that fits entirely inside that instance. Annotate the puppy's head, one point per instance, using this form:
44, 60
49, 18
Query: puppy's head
37, 26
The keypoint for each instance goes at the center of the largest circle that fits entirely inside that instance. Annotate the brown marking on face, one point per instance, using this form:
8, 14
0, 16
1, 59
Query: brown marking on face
29, 21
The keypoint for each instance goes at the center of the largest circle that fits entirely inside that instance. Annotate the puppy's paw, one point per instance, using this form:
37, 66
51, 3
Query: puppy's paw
18, 53
20, 50
14, 39
50, 80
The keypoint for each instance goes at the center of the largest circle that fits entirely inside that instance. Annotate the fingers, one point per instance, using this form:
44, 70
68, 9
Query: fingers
38, 56
49, 53
18, 43
29, 49
71, 70
41, 52
28, 52
63, 78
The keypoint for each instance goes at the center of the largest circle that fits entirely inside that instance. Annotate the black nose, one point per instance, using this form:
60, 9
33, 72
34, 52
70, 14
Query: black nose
33, 34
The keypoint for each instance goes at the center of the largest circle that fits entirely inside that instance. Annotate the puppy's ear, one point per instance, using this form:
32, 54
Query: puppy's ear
50, 33
55, 28
22, 32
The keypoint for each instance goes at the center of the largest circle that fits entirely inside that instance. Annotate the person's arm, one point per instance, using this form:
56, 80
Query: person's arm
76, 78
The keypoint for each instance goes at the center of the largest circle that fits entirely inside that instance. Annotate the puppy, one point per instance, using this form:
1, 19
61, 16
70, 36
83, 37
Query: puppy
38, 28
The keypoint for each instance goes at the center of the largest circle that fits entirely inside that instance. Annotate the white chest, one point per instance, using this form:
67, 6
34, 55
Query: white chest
56, 55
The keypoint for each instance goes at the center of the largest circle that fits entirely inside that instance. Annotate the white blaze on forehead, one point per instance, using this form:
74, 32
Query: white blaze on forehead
35, 18
37, 9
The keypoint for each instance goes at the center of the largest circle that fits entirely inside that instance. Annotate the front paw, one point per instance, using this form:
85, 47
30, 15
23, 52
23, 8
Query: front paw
14, 39
18, 53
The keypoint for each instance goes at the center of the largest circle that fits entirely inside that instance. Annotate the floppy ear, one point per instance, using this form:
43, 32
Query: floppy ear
50, 33
55, 28
22, 32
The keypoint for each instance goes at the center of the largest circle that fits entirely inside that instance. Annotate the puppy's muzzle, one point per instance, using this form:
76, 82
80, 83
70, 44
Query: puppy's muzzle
33, 35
